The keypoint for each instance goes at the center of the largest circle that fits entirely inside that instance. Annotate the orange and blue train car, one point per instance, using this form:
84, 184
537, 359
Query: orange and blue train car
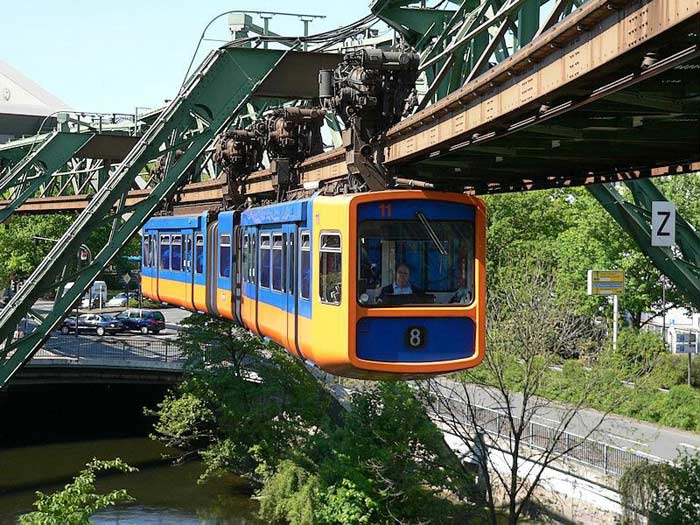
385, 285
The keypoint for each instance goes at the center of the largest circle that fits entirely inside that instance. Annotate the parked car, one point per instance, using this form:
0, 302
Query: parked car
118, 300
144, 321
98, 323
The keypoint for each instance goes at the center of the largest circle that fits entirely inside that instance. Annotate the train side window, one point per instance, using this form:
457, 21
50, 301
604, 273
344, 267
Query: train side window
305, 264
265, 261
292, 265
165, 252
331, 265
176, 255
145, 256
277, 262
153, 256
246, 258
199, 253
225, 256
187, 266
253, 257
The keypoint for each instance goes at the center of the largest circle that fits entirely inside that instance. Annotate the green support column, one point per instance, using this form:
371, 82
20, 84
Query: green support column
207, 103
645, 192
528, 22
635, 219
39, 166
103, 174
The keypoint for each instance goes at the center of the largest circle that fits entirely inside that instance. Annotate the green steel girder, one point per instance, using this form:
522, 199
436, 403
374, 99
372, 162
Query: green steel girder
415, 24
635, 219
37, 168
473, 36
13, 152
644, 192
206, 104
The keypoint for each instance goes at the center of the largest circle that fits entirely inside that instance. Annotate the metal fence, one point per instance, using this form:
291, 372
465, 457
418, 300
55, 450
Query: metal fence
81, 349
609, 459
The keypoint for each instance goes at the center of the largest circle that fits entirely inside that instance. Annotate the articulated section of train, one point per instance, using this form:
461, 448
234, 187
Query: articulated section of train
372, 285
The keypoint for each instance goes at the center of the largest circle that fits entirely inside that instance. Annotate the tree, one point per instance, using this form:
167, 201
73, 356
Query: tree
78, 500
570, 228
243, 402
385, 464
250, 408
494, 408
19, 254
664, 494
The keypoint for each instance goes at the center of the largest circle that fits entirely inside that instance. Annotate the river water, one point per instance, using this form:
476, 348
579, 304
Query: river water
49, 432
165, 494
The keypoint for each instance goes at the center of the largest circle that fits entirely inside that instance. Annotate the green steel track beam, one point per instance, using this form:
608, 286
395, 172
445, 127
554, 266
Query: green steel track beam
468, 40
635, 219
14, 151
207, 103
37, 168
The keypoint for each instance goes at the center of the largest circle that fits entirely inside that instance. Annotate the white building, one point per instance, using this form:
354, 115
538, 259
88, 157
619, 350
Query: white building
24, 105
682, 330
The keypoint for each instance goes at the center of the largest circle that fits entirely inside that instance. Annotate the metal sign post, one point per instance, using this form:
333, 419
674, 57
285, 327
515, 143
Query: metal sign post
607, 283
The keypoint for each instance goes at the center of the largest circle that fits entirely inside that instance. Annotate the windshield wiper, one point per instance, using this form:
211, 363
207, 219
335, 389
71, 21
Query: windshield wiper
431, 233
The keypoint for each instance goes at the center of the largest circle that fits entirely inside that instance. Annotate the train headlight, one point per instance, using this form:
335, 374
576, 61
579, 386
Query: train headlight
364, 298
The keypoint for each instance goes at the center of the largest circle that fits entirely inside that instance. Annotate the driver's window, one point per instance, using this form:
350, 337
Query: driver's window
330, 268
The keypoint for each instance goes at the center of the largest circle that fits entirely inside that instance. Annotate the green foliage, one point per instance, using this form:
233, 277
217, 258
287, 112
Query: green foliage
78, 500
672, 369
570, 228
184, 422
666, 494
347, 505
392, 453
19, 254
243, 402
385, 462
248, 407
289, 495
637, 354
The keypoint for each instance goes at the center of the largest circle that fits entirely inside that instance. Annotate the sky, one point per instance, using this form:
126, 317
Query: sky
112, 56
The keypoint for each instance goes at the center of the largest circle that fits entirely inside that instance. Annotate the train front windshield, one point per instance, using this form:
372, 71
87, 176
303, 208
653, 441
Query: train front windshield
420, 261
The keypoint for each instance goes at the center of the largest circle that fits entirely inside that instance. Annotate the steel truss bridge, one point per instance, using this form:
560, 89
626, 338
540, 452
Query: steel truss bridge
514, 95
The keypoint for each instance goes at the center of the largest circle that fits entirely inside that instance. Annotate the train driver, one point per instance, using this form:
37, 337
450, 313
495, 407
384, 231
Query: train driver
402, 284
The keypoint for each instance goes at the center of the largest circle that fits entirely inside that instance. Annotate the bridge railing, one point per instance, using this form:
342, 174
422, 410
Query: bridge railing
82, 349
609, 459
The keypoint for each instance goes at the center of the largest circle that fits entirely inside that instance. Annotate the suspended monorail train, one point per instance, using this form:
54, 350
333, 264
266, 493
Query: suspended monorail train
385, 285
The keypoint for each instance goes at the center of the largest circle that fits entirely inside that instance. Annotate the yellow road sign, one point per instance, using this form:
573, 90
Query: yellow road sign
606, 282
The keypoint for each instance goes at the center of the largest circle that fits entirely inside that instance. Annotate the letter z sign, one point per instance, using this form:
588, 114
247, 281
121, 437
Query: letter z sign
663, 223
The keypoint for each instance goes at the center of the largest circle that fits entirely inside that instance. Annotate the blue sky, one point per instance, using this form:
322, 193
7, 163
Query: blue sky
113, 56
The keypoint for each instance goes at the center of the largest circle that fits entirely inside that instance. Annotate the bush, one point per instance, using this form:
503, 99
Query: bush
665, 494
638, 353
78, 500
674, 371
289, 495
680, 408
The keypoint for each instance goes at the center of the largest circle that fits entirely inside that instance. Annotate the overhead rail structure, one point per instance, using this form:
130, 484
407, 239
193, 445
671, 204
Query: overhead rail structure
512, 96
212, 97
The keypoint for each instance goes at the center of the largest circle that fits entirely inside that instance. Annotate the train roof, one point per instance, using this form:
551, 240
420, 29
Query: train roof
290, 211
